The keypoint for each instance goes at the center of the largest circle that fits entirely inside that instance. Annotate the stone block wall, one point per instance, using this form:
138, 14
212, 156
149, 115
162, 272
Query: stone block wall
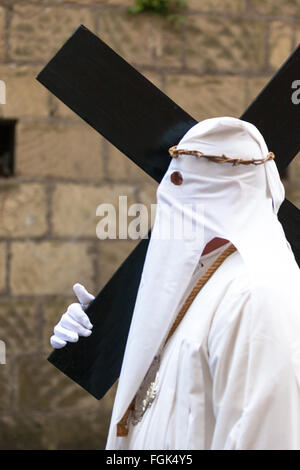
213, 64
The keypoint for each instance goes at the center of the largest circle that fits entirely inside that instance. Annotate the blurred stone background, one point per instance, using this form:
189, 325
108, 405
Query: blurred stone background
213, 64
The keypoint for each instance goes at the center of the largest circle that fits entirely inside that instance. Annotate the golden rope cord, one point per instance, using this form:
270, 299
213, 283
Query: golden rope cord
122, 426
174, 152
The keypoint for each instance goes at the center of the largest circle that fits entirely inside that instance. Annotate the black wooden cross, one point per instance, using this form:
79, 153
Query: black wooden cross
142, 122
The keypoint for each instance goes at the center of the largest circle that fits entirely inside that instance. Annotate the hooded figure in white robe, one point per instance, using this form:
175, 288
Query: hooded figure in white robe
229, 376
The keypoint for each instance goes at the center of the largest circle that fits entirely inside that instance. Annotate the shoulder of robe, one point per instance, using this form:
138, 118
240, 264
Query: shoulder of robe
275, 308
265, 309
236, 274
231, 293
278, 286
274, 285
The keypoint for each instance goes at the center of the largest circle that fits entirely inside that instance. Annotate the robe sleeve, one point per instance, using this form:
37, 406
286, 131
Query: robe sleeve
254, 364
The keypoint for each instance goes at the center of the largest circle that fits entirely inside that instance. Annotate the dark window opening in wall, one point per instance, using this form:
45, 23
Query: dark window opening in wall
7, 147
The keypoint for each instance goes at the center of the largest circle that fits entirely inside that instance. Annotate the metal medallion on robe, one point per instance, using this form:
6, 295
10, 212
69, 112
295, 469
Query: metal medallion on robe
147, 391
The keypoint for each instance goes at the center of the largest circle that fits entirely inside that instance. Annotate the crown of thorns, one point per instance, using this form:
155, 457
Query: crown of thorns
174, 152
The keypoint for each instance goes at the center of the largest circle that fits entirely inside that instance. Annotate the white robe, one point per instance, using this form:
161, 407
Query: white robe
224, 384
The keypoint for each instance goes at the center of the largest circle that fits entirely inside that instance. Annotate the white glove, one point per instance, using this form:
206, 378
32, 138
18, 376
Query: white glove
74, 322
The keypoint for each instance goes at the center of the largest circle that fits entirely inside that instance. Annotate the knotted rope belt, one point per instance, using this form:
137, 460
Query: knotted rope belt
122, 426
